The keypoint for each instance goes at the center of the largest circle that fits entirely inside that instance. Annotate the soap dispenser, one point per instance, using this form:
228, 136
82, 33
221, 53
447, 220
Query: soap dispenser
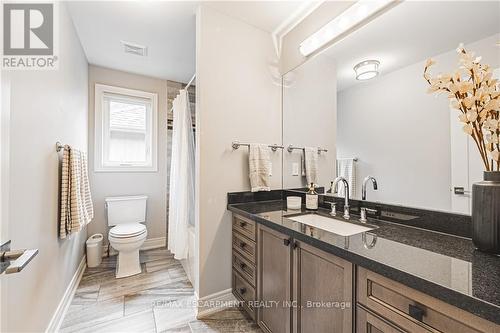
312, 198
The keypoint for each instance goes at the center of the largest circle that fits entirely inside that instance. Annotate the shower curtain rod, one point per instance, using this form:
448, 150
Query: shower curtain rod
190, 81
186, 87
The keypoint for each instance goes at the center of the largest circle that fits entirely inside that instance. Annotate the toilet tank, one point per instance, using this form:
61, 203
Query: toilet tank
130, 209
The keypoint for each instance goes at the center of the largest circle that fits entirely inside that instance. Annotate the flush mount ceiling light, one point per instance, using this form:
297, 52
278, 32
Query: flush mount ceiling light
367, 69
352, 16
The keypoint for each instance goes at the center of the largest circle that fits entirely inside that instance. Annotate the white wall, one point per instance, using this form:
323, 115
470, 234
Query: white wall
401, 134
4, 175
152, 184
46, 106
310, 118
236, 99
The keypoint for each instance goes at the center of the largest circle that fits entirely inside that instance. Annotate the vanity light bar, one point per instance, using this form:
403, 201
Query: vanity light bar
352, 16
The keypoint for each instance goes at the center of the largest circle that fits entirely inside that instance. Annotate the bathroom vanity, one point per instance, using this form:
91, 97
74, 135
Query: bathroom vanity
294, 277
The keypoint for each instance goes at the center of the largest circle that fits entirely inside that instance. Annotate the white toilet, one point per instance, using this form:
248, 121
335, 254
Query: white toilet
126, 216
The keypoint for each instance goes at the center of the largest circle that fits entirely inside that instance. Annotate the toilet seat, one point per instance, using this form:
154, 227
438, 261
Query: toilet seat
127, 230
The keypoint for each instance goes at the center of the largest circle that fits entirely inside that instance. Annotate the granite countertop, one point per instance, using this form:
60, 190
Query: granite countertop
444, 266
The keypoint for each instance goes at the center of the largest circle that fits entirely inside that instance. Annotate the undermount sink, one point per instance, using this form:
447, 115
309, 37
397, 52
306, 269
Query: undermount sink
331, 225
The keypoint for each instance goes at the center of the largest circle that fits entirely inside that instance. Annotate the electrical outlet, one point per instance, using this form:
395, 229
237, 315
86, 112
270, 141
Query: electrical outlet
295, 169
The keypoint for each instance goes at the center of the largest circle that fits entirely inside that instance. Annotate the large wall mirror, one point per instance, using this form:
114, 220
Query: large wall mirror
389, 126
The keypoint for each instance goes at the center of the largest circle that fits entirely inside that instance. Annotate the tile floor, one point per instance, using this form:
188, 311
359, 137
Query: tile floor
157, 300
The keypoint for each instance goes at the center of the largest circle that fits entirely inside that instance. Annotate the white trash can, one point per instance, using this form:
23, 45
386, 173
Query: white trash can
94, 250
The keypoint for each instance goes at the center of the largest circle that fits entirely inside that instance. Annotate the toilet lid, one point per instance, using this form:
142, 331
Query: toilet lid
127, 230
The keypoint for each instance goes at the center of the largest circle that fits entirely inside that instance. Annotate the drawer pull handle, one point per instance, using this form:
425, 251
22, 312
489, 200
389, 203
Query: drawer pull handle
243, 290
243, 266
243, 244
243, 224
416, 312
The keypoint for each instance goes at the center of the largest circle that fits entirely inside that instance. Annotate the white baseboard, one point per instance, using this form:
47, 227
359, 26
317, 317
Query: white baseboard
62, 308
149, 244
215, 302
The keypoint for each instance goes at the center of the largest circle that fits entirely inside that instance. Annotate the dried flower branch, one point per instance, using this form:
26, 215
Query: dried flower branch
472, 91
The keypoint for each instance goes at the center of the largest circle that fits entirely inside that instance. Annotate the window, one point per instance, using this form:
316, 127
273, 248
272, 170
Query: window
125, 129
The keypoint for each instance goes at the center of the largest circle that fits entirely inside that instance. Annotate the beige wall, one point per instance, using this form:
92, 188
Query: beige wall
152, 184
290, 55
45, 107
237, 98
310, 118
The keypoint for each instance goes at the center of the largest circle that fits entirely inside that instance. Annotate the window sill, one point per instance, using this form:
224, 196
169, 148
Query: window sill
126, 170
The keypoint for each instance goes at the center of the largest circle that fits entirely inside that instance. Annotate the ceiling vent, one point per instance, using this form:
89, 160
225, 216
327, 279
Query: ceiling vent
135, 49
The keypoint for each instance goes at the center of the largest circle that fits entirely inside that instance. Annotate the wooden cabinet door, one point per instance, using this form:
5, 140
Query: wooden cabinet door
274, 281
366, 322
322, 289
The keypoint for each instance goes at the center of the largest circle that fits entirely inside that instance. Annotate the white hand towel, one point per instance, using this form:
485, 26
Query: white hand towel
259, 166
346, 167
311, 164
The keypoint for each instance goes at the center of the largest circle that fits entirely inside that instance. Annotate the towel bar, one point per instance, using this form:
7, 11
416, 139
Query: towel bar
237, 145
291, 148
355, 159
60, 146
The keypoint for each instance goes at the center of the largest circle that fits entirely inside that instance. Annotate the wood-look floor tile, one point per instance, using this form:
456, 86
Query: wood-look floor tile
174, 314
79, 317
160, 264
96, 277
160, 299
142, 322
227, 314
184, 328
157, 296
154, 254
133, 284
216, 326
177, 271
228, 320
86, 294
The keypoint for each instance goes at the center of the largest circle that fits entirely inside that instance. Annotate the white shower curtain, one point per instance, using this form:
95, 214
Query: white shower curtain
181, 193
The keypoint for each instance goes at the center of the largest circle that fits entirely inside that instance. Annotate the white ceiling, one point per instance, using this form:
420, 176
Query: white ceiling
265, 15
167, 28
413, 31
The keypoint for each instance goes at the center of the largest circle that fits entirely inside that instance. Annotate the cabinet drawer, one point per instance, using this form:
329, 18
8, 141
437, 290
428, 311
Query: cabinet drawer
245, 268
243, 291
244, 246
244, 226
404, 306
368, 322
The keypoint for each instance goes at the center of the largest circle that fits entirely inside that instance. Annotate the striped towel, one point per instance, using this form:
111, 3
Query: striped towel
76, 201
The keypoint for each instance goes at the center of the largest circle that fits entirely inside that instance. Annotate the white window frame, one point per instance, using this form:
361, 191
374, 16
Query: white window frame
101, 91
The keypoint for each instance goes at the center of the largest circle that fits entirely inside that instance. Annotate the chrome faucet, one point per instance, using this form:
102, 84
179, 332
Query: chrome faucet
363, 210
363, 188
346, 190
